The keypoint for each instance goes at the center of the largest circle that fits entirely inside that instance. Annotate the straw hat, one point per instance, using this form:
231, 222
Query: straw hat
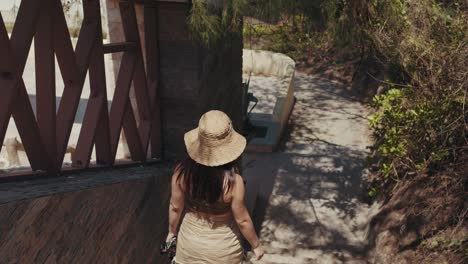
214, 142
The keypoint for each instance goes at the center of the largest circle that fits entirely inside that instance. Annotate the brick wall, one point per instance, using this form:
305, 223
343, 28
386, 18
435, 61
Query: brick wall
193, 79
101, 217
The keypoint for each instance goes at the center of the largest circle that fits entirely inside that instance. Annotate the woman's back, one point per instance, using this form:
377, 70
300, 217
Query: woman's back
209, 233
220, 208
212, 194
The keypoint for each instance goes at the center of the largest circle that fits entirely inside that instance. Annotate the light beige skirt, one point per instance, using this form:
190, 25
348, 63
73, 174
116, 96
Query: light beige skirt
203, 242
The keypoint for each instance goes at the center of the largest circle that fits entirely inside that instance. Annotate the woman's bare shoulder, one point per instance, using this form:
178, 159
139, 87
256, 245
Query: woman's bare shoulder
178, 175
228, 195
239, 184
239, 179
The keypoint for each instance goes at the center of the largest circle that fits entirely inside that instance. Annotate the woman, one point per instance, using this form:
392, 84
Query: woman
212, 194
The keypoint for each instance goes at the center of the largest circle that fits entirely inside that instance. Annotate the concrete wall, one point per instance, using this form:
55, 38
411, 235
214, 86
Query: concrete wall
267, 63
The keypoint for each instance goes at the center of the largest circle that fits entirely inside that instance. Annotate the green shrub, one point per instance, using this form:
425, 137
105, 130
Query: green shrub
210, 21
282, 38
414, 132
419, 124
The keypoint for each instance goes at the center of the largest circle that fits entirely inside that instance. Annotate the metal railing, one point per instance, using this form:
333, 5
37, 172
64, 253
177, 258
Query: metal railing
45, 135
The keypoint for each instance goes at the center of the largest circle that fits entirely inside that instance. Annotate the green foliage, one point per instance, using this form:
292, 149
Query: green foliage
210, 21
281, 38
373, 191
204, 26
414, 132
306, 14
420, 123
421, 126
447, 243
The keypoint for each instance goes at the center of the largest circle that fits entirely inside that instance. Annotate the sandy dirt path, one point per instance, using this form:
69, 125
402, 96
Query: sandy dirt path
305, 197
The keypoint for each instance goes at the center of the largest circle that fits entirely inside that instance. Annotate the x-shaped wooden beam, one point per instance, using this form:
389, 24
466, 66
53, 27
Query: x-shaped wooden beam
46, 139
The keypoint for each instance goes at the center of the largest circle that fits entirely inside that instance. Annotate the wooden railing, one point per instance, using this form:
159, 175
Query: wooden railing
45, 136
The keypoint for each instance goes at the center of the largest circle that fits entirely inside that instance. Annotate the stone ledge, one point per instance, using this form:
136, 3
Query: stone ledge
35, 188
267, 63
262, 62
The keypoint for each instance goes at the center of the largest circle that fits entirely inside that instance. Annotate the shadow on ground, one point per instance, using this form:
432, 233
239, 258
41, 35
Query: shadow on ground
304, 198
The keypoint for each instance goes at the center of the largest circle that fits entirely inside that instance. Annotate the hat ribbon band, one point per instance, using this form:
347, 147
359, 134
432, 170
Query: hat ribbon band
214, 142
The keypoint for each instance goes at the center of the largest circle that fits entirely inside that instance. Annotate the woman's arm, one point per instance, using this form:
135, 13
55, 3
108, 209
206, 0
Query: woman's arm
242, 217
176, 205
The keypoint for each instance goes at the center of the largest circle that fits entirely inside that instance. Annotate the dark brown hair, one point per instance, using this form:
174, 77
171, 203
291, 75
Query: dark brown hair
203, 183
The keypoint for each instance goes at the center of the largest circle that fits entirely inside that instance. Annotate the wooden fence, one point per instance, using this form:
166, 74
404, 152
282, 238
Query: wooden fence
45, 135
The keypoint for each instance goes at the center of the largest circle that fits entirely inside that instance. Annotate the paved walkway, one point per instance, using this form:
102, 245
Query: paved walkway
306, 195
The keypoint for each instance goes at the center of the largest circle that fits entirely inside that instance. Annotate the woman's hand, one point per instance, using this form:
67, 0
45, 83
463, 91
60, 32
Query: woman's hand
170, 236
259, 252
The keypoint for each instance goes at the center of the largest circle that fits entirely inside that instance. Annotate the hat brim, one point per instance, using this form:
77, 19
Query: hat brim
214, 155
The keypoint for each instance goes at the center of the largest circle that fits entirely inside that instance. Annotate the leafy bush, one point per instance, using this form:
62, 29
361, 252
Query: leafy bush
210, 21
419, 124
414, 133
281, 38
